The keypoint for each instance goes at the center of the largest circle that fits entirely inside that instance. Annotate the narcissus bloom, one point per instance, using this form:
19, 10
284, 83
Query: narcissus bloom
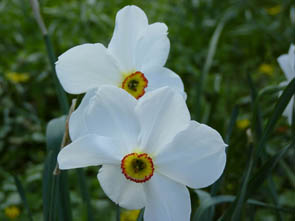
149, 150
133, 61
287, 63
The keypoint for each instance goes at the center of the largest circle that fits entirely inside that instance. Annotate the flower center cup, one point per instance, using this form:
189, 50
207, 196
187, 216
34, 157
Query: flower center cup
135, 84
138, 168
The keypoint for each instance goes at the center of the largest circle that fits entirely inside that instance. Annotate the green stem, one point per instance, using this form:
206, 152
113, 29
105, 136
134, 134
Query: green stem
62, 98
117, 212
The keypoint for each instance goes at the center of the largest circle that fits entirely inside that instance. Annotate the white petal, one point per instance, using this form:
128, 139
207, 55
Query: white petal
162, 114
196, 157
127, 194
77, 126
160, 76
86, 66
285, 64
291, 54
131, 21
111, 113
90, 150
166, 200
153, 47
289, 110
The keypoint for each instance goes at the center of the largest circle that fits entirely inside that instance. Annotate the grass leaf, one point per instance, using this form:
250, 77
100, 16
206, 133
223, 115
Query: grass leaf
21, 191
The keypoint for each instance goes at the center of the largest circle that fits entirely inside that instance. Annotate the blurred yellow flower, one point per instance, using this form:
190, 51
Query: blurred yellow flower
243, 124
274, 10
129, 215
266, 69
12, 212
17, 77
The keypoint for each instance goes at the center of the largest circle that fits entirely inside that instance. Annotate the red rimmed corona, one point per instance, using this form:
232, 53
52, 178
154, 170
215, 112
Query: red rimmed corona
135, 84
137, 167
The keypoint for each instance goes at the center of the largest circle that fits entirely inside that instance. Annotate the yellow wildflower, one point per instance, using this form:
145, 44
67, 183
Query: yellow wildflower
17, 77
12, 212
129, 215
266, 69
243, 124
274, 10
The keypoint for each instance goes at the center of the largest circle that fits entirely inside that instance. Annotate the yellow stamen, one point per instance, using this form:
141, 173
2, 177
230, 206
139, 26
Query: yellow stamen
135, 84
137, 167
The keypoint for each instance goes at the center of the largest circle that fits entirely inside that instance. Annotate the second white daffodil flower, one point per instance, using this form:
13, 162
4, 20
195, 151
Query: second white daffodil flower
149, 150
133, 61
287, 63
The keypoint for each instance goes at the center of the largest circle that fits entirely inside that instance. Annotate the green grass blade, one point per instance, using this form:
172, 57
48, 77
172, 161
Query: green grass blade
235, 210
278, 110
232, 123
84, 193
118, 215
266, 170
289, 172
209, 201
216, 186
140, 216
257, 124
50, 191
64, 200
21, 191
256, 117
208, 63
62, 97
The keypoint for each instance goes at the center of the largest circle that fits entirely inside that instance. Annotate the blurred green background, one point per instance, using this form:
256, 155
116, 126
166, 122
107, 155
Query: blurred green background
254, 35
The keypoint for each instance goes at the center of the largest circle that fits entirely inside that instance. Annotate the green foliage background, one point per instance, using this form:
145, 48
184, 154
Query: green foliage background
250, 37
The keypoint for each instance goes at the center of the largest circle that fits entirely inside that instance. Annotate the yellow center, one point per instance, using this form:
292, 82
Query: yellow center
137, 167
135, 84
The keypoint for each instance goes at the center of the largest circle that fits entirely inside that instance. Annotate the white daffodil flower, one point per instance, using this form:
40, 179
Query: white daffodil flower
149, 150
287, 63
133, 61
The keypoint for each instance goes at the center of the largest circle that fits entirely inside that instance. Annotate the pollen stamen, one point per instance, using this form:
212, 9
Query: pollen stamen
135, 84
137, 167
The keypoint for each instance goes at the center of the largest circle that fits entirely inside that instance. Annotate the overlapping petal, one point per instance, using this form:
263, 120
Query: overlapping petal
111, 113
86, 66
291, 54
167, 200
126, 193
160, 76
90, 150
162, 114
196, 156
288, 112
152, 47
131, 21
284, 62
77, 125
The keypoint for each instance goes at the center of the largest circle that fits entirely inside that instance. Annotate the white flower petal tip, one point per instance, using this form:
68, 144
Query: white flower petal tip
84, 67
